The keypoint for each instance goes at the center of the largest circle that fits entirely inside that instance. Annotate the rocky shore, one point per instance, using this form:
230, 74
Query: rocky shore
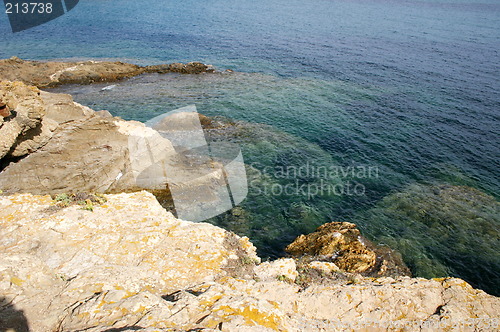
83, 248
51, 145
128, 265
51, 74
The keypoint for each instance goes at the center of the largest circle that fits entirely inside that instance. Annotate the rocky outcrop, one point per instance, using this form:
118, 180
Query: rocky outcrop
342, 244
32, 118
52, 254
23, 110
50, 74
71, 148
89, 154
128, 265
89, 262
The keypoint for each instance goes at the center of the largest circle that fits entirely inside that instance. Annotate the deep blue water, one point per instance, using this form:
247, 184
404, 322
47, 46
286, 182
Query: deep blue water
409, 87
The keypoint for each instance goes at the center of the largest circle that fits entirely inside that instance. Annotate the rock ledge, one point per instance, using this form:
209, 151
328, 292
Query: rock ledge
130, 265
51, 74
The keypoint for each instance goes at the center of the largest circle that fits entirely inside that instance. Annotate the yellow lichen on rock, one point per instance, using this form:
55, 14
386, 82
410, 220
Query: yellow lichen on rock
252, 316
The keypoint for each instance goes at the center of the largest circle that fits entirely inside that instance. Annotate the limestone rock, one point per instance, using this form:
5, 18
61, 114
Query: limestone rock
61, 108
35, 117
284, 268
342, 244
325, 267
34, 138
128, 246
338, 241
129, 265
26, 110
50, 74
88, 154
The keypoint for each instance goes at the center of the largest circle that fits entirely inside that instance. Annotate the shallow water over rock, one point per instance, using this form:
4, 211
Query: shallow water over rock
318, 151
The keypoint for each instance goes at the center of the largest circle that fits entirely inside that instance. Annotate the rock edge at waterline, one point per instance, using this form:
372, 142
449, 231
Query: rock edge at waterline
54, 73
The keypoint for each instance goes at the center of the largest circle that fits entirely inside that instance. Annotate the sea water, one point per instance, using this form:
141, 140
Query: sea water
408, 89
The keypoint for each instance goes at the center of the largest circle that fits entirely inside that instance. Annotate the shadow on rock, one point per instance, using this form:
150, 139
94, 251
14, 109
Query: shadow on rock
12, 319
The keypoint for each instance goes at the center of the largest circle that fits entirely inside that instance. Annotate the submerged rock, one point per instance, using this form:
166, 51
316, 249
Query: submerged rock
188, 68
342, 244
130, 265
50, 74
441, 230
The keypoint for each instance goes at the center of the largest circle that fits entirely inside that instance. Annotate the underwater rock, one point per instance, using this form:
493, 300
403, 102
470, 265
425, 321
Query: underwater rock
188, 68
441, 230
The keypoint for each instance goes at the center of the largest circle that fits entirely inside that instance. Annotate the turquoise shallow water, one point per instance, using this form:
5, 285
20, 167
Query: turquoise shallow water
301, 134
410, 88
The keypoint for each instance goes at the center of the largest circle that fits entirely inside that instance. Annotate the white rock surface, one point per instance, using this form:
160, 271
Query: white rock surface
130, 265
278, 269
325, 267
